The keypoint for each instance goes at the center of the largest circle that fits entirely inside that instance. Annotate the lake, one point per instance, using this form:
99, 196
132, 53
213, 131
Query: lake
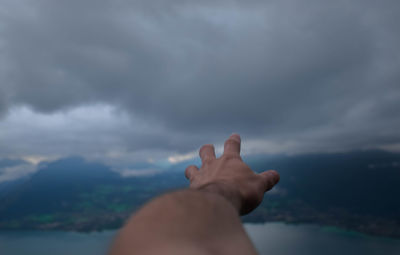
269, 238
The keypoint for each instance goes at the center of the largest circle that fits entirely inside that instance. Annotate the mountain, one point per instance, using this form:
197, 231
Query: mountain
54, 185
74, 194
355, 190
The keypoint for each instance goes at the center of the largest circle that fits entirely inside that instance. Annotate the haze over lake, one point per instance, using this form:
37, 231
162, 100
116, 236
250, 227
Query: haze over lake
269, 238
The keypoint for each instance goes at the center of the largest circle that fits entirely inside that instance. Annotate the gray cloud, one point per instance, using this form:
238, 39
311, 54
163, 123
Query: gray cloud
317, 75
2, 107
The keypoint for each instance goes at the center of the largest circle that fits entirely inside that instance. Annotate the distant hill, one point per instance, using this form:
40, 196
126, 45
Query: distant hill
363, 182
55, 185
74, 194
356, 190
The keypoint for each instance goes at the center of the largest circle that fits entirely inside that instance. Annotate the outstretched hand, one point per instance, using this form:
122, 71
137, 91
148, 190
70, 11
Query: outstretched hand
203, 219
230, 177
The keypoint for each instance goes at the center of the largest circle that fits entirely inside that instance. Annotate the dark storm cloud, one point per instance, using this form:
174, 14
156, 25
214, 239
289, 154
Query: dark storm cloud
325, 71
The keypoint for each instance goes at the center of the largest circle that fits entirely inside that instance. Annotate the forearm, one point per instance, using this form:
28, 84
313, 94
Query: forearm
185, 222
204, 219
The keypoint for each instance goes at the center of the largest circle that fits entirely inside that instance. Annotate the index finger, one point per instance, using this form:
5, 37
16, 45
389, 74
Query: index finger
232, 145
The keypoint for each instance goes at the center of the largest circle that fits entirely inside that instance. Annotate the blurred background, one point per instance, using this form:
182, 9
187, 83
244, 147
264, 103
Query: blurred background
103, 104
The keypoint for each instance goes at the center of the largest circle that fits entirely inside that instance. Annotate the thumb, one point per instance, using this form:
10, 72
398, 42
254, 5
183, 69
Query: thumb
270, 179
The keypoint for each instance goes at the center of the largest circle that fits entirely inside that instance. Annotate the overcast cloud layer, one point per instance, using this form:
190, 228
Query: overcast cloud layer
157, 78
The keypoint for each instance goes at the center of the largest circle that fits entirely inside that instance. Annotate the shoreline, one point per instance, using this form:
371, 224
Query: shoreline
323, 228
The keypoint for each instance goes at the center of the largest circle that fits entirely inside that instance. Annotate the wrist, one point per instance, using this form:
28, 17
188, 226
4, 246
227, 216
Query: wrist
224, 190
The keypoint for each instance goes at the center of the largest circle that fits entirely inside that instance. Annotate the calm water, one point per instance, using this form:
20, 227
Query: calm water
270, 238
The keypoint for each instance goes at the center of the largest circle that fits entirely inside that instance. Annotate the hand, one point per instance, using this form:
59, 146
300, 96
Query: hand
230, 177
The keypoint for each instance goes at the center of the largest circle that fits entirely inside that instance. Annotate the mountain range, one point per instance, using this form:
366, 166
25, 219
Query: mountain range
354, 190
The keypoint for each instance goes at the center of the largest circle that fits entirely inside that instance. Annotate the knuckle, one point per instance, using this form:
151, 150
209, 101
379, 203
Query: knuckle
230, 156
268, 184
259, 183
207, 160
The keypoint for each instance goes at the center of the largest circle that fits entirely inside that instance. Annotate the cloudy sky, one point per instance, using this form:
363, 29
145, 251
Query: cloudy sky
152, 80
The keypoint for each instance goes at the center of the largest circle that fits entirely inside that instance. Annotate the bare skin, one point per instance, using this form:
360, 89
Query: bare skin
203, 219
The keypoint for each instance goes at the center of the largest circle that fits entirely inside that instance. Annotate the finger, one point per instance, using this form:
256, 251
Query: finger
232, 145
191, 171
207, 152
270, 179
